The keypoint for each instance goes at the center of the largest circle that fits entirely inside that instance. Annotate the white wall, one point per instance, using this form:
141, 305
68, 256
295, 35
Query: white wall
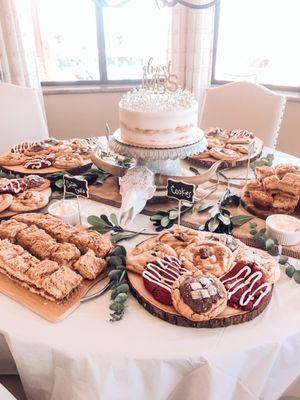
85, 114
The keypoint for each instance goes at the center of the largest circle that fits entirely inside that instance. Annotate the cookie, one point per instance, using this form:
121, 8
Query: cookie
209, 257
37, 163
5, 201
178, 237
12, 186
38, 149
36, 182
143, 254
250, 186
290, 184
89, 265
29, 201
68, 161
21, 147
12, 159
284, 204
240, 137
199, 297
271, 184
241, 148
247, 286
159, 276
217, 133
262, 259
224, 154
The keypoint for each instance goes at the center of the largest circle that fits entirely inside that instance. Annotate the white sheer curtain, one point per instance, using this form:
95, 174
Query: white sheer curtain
192, 47
17, 44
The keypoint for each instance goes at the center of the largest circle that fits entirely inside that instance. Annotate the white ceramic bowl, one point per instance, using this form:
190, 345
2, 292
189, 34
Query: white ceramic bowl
66, 210
283, 228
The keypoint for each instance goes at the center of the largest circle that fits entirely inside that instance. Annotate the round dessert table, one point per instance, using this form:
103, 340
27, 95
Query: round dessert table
86, 357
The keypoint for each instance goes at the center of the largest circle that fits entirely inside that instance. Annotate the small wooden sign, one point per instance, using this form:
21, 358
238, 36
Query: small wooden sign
180, 191
75, 185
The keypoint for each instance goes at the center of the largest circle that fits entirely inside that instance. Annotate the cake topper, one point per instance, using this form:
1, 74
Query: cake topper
159, 78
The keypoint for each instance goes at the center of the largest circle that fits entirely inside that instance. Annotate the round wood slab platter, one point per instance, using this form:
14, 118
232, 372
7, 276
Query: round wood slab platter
229, 316
242, 162
258, 212
7, 214
19, 169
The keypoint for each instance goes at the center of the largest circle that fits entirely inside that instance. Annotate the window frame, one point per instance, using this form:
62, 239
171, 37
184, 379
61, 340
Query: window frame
216, 82
101, 62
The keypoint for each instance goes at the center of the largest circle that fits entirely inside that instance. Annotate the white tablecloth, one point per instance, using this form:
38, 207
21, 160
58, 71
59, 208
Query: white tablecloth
86, 357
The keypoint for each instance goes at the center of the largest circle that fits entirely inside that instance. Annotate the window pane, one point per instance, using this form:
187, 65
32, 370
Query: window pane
257, 41
66, 37
134, 33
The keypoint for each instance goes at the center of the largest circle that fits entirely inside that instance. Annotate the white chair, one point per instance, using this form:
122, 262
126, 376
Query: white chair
21, 116
5, 395
244, 105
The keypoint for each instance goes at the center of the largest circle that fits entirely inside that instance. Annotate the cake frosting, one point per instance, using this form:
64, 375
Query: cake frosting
163, 120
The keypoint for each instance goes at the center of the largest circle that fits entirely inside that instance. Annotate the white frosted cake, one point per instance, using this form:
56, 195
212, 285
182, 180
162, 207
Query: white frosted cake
159, 120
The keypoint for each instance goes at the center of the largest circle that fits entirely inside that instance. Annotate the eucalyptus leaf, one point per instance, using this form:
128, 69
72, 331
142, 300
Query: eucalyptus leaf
213, 224
296, 276
164, 222
156, 217
203, 207
173, 214
118, 251
106, 220
239, 220
121, 298
290, 270
123, 236
101, 229
253, 225
253, 232
93, 220
224, 219
113, 218
283, 260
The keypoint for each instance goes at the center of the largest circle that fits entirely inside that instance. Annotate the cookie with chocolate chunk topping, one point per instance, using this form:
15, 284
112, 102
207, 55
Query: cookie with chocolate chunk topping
199, 297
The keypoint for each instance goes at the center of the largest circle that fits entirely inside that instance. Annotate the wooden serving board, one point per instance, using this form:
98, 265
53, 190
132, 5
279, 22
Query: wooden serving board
7, 214
258, 212
207, 162
108, 193
49, 310
229, 316
19, 169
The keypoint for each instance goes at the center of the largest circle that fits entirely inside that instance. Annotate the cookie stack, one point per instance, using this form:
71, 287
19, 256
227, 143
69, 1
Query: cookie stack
49, 257
200, 273
275, 189
23, 194
226, 145
60, 154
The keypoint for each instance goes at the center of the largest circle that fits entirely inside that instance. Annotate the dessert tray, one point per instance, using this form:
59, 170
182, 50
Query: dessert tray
48, 156
47, 265
275, 190
199, 279
29, 193
232, 148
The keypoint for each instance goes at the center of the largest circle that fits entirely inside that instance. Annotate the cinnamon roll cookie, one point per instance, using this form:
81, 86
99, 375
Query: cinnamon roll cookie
199, 297
224, 154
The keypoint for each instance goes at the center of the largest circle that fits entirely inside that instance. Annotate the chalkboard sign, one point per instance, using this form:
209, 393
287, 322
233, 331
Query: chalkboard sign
181, 191
75, 185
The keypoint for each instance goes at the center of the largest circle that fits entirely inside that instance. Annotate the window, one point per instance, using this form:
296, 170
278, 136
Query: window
256, 40
78, 42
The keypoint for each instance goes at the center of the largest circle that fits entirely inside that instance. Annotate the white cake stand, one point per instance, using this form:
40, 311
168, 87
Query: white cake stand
164, 161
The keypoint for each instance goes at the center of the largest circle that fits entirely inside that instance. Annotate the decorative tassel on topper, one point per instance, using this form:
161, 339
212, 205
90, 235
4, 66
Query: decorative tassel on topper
136, 187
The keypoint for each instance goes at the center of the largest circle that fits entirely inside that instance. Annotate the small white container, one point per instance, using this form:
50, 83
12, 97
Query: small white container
284, 228
66, 210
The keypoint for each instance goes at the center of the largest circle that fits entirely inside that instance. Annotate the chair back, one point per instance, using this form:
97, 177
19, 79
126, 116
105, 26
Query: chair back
244, 105
21, 116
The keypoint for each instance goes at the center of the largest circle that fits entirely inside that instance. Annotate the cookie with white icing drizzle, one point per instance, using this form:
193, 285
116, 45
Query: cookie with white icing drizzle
159, 276
247, 286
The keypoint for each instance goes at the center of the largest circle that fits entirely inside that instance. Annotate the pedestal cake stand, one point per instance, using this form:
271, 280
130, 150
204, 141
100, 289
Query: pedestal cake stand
163, 161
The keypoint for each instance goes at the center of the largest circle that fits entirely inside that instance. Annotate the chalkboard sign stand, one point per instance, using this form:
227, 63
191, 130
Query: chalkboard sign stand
78, 187
180, 191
